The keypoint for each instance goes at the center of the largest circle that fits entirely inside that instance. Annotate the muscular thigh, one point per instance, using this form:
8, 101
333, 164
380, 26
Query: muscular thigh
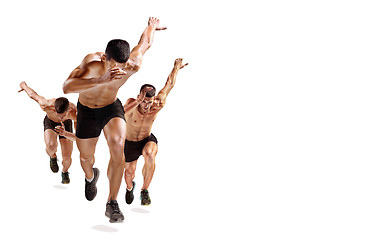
50, 137
150, 150
66, 146
86, 147
115, 131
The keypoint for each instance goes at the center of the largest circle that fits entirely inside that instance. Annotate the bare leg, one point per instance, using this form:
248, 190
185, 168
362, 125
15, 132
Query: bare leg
130, 169
86, 149
50, 138
149, 152
115, 131
67, 149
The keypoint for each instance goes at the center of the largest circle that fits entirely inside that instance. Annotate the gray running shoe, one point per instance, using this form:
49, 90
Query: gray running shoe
113, 212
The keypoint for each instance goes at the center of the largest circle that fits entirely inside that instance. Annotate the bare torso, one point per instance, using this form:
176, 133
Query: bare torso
139, 125
103, 94
52, 115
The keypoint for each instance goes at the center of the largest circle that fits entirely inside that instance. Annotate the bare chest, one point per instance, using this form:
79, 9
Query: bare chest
137, 120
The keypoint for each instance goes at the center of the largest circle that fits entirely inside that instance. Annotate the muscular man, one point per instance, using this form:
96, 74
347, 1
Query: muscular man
140, 114
97, 80
58, 121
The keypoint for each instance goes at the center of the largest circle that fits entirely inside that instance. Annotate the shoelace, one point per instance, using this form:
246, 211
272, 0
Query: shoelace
115, 207
145, 195
89, 186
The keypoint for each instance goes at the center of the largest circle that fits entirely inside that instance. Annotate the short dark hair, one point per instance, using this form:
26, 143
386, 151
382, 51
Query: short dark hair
61, 105
117, 49
150, 93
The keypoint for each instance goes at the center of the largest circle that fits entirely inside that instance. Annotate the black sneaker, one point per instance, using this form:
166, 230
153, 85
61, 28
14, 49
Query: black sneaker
54, 165
65, 178
129, 194
145, 199
91, 188
113, 212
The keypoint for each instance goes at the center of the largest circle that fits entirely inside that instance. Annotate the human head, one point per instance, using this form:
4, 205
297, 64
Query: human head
118, 50
146, 104
61, 106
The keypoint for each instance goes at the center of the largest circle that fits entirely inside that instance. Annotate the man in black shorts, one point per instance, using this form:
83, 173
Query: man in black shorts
140, 114
97, 80
58, 121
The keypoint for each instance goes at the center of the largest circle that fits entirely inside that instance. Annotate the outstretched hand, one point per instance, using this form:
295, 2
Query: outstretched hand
22, 86
179, 63
155, 22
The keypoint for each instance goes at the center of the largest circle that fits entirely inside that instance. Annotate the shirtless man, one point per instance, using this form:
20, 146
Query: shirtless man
58, 121
97, 80
140, 114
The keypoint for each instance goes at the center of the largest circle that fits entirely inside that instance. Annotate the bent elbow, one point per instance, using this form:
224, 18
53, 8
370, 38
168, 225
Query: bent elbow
66, 88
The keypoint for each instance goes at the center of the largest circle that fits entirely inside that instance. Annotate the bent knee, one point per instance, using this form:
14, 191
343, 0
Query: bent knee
116, 143
52, 145
85, 158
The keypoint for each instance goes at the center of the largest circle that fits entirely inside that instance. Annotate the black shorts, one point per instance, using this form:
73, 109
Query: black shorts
133, 150
49, 124
91, 121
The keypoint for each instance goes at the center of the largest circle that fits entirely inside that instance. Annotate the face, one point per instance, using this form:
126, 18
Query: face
112, 62
62, 116
146, 104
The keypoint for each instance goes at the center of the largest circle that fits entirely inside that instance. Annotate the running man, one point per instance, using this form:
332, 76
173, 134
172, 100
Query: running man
140, 114
97, 80
58, 122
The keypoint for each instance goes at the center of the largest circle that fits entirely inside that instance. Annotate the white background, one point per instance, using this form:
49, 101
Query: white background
275, 130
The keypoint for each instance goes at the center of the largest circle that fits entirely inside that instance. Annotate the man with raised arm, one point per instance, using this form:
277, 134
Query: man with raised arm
140, 114
58, 122
97, 80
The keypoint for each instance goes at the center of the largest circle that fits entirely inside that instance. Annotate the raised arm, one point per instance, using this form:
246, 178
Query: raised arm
33, 95
146, 40
162, 95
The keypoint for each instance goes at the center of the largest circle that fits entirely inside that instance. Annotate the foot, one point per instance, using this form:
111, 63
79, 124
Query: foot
113, 212
65, 178
90, 187
54, 165
129, 194
145, 199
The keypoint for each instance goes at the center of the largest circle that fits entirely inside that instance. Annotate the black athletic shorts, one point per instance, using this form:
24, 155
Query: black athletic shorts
91, 121
49, 124
133, 150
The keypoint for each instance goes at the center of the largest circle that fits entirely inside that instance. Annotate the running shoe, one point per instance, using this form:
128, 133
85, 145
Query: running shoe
145, 199
90, 187
113, 212
129, 194
54, 165
65, 178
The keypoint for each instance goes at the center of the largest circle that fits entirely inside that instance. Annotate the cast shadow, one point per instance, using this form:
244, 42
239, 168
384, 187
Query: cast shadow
104, 228
60, 187
139, 210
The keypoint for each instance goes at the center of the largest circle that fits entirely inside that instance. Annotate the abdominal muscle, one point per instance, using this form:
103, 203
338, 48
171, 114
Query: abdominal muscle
98, 97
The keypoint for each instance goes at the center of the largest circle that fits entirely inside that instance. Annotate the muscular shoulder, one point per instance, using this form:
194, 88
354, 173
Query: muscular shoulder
90, 65
130, 100
48, 105
92, 57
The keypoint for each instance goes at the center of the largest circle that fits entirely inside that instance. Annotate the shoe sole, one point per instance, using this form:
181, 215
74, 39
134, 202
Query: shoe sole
120, 220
